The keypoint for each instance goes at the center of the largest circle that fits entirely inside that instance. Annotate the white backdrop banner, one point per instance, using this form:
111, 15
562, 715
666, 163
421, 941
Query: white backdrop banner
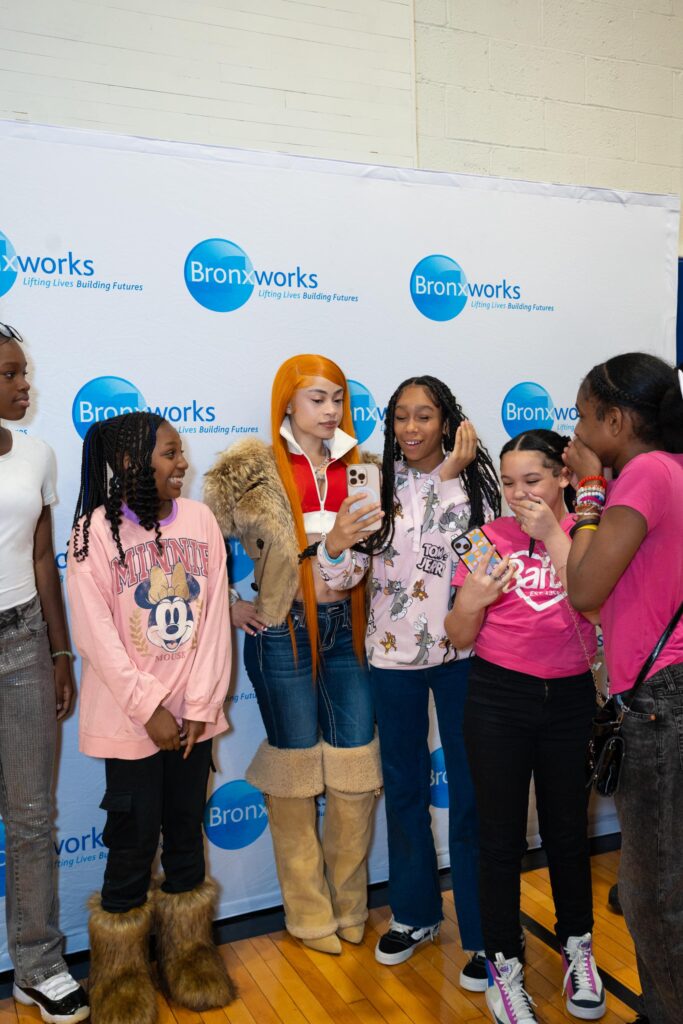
177, 278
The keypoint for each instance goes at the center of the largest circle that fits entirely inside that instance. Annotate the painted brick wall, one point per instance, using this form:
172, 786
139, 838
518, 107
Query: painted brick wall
329, 78
570, 91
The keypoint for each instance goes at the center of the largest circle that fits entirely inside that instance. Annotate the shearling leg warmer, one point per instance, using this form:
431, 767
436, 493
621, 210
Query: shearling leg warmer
191, 970
291, 779
120, 988
353, 779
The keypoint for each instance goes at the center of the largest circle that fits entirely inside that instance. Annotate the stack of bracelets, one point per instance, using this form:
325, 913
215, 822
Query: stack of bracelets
590, 502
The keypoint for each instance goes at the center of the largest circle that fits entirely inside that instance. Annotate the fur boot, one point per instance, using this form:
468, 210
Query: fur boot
120, 989
353, 781
290, 779
191, 970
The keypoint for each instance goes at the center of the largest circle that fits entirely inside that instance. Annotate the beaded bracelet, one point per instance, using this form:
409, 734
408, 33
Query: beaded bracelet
600, 478
67, 654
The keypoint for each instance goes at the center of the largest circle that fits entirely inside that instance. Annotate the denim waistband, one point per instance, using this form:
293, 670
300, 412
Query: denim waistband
667, 680
332, 610
13, 616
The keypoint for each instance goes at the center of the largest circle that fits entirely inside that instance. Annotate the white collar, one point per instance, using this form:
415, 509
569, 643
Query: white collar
339, 445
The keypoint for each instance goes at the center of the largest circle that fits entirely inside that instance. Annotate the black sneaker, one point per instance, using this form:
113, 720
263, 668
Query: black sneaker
401, 941
61, 999
474, 977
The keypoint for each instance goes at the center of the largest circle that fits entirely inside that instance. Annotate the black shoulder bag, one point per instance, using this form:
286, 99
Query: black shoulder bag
607, 748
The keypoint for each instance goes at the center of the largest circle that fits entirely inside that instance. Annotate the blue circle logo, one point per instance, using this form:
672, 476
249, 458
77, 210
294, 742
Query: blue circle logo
438, 287
101, 399
439, 780
8, 273
219, 275
527, 406
240, 564
235, 816
363, 410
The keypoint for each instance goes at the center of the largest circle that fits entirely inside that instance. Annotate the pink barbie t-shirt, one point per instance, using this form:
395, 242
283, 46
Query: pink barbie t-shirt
531, 628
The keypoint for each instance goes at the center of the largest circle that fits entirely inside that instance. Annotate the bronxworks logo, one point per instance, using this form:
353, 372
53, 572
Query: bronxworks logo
528, 406
235, 816
439, 780
440, 289
104, 397
220, 276
12, 263
365, 412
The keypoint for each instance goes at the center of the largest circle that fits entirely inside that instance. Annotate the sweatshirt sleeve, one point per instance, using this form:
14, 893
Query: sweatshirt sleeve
97, 640
345, 573
207, 686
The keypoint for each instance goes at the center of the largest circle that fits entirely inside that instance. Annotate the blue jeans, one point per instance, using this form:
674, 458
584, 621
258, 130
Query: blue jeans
650, 807
402, 706
296, 709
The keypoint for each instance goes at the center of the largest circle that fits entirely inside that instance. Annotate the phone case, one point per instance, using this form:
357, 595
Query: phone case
472, 547
364, 477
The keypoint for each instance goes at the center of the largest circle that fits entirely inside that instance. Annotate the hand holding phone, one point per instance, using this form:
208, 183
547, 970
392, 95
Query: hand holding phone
472, 547
363, 480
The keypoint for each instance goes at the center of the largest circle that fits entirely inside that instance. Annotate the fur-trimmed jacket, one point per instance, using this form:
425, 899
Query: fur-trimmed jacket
245, 493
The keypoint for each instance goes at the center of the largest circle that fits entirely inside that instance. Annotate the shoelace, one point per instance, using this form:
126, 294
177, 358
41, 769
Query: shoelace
58, 987
580, 964
520, 1000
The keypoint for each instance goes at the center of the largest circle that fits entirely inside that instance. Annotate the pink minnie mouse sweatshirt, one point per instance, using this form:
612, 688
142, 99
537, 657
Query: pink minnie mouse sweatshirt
151, 629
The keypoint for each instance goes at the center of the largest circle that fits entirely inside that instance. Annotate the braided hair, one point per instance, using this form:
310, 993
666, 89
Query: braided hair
549, 445
649, 388
479, 478
117, 463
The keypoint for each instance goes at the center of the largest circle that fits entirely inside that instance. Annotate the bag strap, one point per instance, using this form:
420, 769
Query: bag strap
657, 650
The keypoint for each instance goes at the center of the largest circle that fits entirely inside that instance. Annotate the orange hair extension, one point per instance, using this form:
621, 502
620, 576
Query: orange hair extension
296, 373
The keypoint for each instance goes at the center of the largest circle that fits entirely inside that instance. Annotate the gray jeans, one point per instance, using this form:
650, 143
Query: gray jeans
28, 734
650, 807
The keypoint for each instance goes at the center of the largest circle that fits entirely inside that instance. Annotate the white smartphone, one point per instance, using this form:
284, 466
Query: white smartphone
363, 477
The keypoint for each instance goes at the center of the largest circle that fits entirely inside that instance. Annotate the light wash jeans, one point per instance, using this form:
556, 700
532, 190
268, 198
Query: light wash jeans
650, 807
28, 731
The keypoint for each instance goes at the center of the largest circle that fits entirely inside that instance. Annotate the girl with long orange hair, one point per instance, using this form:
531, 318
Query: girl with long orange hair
304, 649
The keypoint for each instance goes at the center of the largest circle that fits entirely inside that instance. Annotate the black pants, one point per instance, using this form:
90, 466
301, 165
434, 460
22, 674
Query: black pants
153, 795
517, 726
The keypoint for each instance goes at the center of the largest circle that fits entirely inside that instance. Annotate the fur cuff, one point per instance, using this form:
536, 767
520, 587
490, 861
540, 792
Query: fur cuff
290, 772
353, 769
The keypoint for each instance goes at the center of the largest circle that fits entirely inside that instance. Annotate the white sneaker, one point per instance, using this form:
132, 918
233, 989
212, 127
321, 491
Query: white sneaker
401, 941
506, 997
60, 998
582, 983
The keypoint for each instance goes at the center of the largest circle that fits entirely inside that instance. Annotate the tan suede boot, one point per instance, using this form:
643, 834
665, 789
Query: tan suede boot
290, 780
353, 780
120, 987
191, 970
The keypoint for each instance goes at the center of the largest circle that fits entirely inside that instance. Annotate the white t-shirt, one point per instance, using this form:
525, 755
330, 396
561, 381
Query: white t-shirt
27, 483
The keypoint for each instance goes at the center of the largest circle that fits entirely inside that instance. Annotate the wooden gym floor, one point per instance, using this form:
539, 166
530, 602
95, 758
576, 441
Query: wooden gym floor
282, 982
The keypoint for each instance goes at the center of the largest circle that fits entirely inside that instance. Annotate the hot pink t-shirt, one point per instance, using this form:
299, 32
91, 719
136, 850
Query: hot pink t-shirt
650, 590
531, 628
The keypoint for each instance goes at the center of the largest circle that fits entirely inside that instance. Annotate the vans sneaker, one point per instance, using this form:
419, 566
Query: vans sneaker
506, 997
61, 1000
585, 991
401, 941
474, 977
